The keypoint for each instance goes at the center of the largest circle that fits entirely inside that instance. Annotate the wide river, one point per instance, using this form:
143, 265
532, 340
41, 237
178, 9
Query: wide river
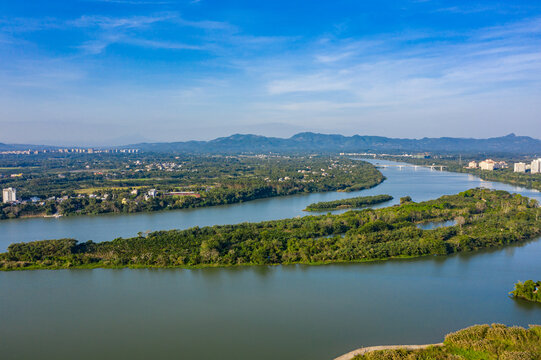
266, 312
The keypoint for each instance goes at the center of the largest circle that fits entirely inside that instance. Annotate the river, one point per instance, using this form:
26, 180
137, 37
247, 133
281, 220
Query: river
268, 312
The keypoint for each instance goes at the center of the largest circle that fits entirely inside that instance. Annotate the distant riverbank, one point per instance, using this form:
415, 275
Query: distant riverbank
352, 177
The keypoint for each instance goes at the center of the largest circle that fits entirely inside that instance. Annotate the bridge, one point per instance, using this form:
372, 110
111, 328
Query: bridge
432, 167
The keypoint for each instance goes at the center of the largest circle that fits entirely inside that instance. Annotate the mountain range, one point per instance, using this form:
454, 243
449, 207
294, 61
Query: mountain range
313, 142
307, 142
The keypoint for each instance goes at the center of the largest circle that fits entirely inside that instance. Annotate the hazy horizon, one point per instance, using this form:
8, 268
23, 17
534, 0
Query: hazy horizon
106, 72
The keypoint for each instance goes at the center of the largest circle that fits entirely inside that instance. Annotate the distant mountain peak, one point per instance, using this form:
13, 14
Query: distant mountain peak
333, 143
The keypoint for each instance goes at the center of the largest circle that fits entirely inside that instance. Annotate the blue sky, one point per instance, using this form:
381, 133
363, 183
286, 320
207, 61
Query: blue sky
121, 71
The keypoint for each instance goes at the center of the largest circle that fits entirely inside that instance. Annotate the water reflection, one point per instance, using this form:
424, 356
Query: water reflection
436, 224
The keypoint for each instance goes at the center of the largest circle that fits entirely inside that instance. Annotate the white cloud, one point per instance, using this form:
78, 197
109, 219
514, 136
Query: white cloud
108, 22
402, 73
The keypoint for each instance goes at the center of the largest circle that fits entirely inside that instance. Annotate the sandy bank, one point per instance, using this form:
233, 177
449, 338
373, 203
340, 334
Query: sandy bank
350, 355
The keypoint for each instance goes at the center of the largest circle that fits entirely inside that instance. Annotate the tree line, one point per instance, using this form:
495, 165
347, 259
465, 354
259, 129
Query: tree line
355, 202
487, 219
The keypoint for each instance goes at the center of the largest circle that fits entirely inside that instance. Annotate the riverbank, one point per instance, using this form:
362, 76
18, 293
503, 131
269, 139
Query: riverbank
368, 178
421, 184
484, 219
362, 351
204, 185
488, 342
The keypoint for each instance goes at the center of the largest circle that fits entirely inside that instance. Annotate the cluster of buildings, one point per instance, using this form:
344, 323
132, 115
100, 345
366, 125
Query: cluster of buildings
487, 164
165, 166
23, 152
520, 167
68, 151
97, 151
9, 196
534, 167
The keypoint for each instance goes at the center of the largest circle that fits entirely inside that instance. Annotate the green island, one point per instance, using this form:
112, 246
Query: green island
528, 290
479, 342
105, 183
484, 219
355, 202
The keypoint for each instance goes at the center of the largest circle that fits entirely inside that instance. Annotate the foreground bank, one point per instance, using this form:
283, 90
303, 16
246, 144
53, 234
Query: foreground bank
477, 342
484, 219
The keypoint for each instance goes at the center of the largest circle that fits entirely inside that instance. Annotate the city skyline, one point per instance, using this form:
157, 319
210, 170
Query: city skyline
118, 72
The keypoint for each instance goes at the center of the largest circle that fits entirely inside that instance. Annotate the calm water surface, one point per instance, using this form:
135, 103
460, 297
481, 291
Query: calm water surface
281, 312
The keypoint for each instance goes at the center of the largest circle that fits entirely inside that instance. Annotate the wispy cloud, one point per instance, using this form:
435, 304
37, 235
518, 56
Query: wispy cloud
23, 25
130, 30
134, 2
108, 22
390, 74
468, 9
103, 31
208, 69
527, 27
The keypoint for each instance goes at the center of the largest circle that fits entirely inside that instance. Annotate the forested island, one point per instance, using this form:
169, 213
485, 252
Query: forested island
484, 219
486, 342
99, 184
355, 202
528, 290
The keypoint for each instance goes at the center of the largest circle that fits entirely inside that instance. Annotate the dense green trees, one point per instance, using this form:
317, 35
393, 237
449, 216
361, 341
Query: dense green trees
217, 179
355, 202
491, 219
405, 199
529, 290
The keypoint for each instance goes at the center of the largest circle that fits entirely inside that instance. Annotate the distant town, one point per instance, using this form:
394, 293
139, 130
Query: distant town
69, 151
519, 167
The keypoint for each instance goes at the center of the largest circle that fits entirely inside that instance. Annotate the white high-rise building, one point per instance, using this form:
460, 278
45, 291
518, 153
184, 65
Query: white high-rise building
520, 167
9, 195
490, 164
536, 166
487, 164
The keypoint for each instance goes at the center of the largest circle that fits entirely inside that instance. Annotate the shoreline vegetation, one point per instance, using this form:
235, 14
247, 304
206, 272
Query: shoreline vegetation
185, 183
484, 219
487, 342
355, 202
528, 290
